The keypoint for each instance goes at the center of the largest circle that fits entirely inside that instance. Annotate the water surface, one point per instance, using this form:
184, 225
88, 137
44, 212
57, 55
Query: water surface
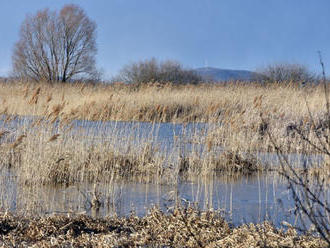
240, 200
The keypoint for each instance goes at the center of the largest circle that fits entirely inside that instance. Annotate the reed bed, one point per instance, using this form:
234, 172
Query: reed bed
236, 108
161, 103
42, 152
241, 120
184, 227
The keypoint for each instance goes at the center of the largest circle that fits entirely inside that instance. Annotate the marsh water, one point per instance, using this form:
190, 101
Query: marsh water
240, 199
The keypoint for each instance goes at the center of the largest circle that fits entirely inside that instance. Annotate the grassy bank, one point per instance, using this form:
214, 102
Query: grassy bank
182, 228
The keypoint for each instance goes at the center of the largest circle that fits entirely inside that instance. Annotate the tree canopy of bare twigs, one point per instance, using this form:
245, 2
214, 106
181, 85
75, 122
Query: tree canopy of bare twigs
281, 73
149, 71
56, 46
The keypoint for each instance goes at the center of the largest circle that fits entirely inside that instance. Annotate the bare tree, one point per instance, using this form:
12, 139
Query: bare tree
56, 46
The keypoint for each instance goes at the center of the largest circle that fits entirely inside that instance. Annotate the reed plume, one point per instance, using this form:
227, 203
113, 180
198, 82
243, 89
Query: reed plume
54, 137
18, 141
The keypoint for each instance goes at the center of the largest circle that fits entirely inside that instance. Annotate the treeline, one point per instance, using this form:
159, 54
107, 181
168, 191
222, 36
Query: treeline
171, 71
149, 71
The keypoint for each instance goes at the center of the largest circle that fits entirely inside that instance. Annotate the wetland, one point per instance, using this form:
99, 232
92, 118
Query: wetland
56, 163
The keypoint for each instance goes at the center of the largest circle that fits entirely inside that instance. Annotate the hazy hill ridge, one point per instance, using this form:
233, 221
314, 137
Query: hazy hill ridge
217, 74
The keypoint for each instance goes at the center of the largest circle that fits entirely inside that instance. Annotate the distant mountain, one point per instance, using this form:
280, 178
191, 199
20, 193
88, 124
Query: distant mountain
216, 74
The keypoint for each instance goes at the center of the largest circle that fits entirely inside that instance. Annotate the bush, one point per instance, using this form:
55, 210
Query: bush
149, 71
286, 73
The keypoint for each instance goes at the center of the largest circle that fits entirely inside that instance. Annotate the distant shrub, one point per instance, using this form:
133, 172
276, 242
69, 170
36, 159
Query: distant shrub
149, 71
286, 73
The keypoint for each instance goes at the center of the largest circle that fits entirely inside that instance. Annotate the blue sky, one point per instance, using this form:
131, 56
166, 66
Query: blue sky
233, 34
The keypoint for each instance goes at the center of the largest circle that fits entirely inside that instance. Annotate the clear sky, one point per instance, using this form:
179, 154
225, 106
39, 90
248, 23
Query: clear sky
232, 34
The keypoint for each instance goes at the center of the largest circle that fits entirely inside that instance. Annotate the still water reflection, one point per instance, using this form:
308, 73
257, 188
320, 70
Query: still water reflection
245, 199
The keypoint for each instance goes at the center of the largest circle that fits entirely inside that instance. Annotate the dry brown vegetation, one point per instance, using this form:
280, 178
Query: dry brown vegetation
236, 106
161, 103
41, 157
182, 228
46, 156
242, 118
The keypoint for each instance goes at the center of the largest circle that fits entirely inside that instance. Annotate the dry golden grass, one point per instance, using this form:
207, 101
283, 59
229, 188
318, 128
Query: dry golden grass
38, 156
237, 106
182, 228
47, 157
160, 103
